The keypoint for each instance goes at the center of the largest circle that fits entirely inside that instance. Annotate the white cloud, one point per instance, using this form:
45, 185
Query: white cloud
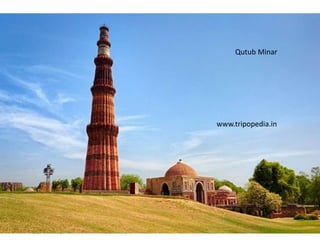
35, 94
62, 99
50, 70
37, 90
194, 140
286, 154
17, 110
204, 133
129, 128
129, 123
66, 138
131, 117
191, 143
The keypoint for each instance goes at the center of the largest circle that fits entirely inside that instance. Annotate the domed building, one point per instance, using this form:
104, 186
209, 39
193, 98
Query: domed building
225, 197
183, 180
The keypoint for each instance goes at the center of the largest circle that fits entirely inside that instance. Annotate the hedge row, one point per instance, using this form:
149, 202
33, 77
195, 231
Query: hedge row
306, 217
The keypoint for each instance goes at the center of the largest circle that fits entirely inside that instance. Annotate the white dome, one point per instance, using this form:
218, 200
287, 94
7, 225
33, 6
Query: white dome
225, 188
29, 190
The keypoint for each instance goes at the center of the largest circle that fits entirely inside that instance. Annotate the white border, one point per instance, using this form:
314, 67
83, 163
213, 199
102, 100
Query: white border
159, 6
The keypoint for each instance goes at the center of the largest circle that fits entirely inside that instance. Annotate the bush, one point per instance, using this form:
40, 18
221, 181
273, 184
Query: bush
299, 217
312, 217
306, 217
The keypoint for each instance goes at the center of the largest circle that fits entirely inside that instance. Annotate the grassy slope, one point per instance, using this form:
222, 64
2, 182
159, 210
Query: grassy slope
68, 213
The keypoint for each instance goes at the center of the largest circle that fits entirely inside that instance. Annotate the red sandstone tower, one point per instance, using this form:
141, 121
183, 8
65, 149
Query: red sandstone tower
101, 169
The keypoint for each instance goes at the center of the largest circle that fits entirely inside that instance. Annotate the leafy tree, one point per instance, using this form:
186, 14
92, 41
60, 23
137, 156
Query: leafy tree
315, 185
219, 183
310, 187
64, 184
126, 179
55, 185
76, 183
277, 179
304, 183
259, 198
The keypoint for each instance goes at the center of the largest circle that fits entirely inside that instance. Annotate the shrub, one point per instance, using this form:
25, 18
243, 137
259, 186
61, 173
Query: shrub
299, 217
306, 217
312, 217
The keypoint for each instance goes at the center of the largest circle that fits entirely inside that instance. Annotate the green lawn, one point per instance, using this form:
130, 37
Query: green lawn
75, 213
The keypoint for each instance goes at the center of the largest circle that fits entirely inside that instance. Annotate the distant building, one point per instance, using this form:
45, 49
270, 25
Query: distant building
224, 196
10, 186
44, 187
183, 180
290, 210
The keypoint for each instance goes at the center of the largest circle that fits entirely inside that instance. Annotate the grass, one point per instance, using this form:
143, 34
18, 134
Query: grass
75, 213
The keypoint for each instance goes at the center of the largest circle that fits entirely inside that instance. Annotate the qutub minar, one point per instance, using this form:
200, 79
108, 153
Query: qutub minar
102, 167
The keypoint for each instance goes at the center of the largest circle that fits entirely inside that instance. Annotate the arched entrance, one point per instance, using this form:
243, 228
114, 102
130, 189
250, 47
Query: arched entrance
165, 189
199, 193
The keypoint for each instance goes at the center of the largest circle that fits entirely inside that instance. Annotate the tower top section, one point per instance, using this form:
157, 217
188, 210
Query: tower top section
103, 42
104, 27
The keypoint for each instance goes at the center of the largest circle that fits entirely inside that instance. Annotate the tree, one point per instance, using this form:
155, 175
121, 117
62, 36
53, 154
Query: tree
64, 184
259, 198
219, 183
55, 184
126, 179
304, 183
315, 186
76, 183
277, 179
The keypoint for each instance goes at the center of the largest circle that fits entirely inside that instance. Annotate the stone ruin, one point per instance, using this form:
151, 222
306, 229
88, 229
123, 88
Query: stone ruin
10, 186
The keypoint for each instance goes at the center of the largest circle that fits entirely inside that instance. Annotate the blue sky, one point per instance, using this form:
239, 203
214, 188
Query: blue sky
176, 76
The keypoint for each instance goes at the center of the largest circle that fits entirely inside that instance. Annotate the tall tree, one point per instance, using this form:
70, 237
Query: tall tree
278, 179
55, 184
64, 184
259, 198
126, 179
304, 183
315, 185
76, 183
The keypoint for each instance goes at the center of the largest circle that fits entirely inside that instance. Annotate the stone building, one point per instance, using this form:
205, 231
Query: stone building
10, 186
289, 210
183, 180
44, 187
224, 196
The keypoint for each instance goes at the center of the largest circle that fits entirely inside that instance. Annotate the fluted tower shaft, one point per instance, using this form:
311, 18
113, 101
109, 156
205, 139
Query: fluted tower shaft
102, 167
